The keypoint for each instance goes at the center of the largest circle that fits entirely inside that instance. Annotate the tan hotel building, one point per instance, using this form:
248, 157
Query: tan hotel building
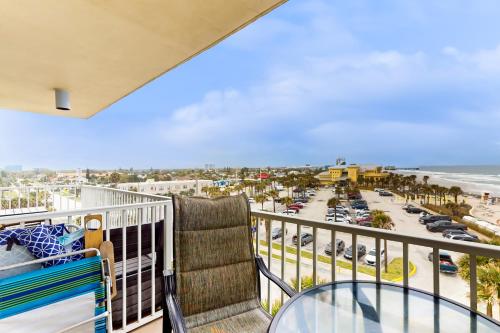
351, 173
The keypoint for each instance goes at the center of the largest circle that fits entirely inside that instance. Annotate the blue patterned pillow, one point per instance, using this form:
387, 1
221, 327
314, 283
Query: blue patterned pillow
55, 230
42, 244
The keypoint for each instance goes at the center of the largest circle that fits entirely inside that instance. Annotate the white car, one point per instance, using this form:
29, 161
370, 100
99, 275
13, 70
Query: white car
371, 259
337, 220
289, 212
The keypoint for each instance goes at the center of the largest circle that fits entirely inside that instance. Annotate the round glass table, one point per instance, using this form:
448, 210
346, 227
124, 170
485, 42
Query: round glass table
375, 307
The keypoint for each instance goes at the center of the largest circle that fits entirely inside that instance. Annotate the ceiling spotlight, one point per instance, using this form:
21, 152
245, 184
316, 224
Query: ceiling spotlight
62, 99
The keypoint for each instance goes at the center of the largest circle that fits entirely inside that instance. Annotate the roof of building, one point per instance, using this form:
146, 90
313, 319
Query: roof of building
101, 51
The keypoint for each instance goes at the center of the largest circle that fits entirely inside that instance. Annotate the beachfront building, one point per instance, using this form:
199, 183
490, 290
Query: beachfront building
167, 187
351, 173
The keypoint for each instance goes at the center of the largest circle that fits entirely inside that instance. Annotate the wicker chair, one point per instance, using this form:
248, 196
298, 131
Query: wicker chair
215, 285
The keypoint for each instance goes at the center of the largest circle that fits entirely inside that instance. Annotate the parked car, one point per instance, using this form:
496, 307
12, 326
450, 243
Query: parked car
363, 219
424, 213
463, 237
433, 218
443, 225
298, 204
354, 196
340, 247
385, 194
446, 264
414, 210
294, 207
371, 257
365, 224
447, 232
337, 220
289, 212
406, 206
276, 233
361, 251
301, 200
378, 189
305, 238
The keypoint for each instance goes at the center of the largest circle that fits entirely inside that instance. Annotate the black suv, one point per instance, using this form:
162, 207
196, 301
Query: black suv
414, 210
433, 218
340, 247
443, 225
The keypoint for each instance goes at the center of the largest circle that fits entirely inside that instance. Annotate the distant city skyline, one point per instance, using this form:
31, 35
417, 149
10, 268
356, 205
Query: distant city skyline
404, 83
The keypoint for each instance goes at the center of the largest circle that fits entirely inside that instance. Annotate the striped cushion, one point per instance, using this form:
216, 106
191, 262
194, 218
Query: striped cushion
38, 288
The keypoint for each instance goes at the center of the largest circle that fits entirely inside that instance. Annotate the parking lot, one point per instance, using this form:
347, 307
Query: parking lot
452, 286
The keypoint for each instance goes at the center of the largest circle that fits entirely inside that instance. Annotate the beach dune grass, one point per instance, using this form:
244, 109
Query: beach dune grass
393, 274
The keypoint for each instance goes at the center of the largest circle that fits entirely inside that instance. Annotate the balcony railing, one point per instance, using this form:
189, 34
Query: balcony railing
278, 220
122, 210
46, 197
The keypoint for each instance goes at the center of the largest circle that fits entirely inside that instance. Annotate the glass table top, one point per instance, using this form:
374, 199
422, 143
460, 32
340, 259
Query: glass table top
370, 307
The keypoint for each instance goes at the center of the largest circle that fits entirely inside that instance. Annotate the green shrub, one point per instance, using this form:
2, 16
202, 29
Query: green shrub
306, 282
275, 308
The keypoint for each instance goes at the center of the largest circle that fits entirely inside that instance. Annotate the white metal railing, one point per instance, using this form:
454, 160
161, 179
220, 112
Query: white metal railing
473, 249
138, 214
95, 196
123, 210
25, 199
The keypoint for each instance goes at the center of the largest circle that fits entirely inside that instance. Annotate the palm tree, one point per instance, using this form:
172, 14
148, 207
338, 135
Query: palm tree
489, 285
261, 198
287, 201
488, 275
338, 191
455, 191
425, 179
226, 192
435, 190
382, 221
332, 203
274, 194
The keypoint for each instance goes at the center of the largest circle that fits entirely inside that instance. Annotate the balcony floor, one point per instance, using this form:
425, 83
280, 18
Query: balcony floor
152, 327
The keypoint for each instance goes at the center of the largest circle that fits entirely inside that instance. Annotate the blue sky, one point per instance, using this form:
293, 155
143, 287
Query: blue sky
390, 82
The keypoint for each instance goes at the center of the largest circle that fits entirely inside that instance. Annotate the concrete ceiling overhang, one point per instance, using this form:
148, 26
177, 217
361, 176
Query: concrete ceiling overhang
102, 50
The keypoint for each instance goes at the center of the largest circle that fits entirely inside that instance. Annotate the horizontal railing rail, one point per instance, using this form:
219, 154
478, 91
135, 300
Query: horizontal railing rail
472, 249
49, 197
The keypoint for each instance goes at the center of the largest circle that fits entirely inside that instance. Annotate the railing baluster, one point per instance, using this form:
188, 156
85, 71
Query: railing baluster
378, 272
315, 255
473, 281
167, 245
333, 240
124, 270
299, 256
153, 260
283, 259
269, 259
405, 264
139, 263
354, 256
107, 223
257, 237
435, 269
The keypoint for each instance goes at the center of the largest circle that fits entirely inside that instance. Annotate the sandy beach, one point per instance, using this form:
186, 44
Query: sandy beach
473, 186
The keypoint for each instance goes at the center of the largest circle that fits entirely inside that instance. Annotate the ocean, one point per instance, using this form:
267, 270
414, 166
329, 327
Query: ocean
475, 179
